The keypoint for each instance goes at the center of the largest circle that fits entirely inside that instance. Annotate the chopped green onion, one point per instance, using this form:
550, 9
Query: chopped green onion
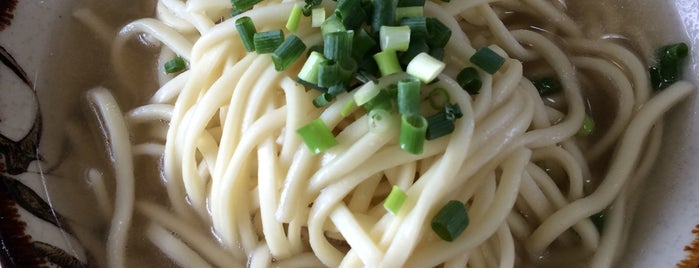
242, 5
409, 96
317, 136
395, 200
438, 34
408, 11
175, 65
486, 59
453, 111
365, 77
384, 14
412, 133
417, 25
315, 48
331, 25
362, 44
439, 97
309, 71
417, 46
588, 126
287, 53
381, 101
267, 42
425, 67
365, 93
387, 61
547, 85
351, 13
394, 38
294, 18
598, 220
469, 80
380, 120
411, 3
337, 45
439, 125
329, 74
246, 30
668, 68
322, 100
317, 16
450, 221
348, 108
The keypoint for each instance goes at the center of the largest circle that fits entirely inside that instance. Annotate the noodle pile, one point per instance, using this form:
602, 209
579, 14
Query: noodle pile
232, 159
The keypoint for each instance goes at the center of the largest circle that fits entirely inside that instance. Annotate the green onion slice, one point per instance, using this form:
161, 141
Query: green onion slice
450, 221
317, 136
294, 18
425, 67
287, 53
309, 71
395, 200
469, 80
387, 62
409, 96
588, 126
395, 38
486, 59
412, 133
242, 5
317, 16
322, 100
439, 125
267, 42
175, 65
246, 30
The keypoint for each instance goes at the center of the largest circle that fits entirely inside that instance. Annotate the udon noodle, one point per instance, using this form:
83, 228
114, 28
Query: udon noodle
234, 167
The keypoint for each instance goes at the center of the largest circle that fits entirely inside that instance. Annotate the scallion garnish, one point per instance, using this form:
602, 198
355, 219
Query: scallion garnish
175, 65
668, 67
267, 42
437, 53
547, 85
395, 200
317, 136
351, 13
310, 5
450, 221
417, 25
337, 45
317, 16
362, 44
486, 59
294, 17
408, 11
332, 24
387, 61
329, 74
439, 125
290, 50
425, 67
409, 96
322, 100
246, 30
395, 38
384, 14
588, 126
438, 33
469, 80
348, 108
438, 98
242, 5
412, 133
309, 71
